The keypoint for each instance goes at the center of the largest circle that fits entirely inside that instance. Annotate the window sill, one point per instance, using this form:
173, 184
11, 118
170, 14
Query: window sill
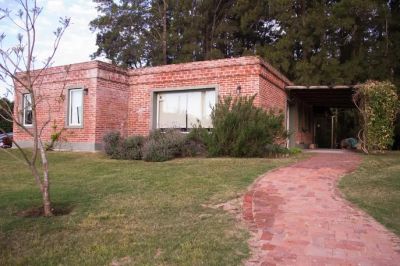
181, 130
74, 127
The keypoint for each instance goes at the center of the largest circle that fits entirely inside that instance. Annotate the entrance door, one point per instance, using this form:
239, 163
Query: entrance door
323, 131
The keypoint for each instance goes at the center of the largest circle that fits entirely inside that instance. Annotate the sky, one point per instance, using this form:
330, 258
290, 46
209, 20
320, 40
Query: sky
78, 42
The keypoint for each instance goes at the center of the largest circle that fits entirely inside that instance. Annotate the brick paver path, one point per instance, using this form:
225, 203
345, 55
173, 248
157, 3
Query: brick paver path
298, 217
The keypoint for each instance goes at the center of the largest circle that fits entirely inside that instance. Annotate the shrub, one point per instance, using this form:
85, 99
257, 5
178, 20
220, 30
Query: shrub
118, 147
194, 148
111, 143
156, 151
378, 104
295, 150
175, 141
54, 137
199, 134
241, 129
131, 147
196, 142
159, 146
163, 146
275, 150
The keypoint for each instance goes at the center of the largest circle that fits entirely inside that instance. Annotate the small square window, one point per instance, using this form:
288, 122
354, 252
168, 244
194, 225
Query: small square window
75, 107
27, 109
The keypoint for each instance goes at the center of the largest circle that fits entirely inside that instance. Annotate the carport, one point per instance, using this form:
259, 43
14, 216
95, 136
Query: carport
314, 113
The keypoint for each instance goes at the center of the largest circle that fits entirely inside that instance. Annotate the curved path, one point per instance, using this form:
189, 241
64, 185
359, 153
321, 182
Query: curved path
299, 218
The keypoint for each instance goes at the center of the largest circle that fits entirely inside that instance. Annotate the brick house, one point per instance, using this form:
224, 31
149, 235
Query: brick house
93, 98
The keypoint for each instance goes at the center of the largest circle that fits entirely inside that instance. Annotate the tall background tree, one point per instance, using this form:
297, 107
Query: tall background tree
311, 41
21, 74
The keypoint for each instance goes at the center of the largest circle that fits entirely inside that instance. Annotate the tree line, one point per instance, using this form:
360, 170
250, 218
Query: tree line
310, 41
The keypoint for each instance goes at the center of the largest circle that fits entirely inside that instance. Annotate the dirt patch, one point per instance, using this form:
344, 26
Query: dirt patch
233, 206
122, 261
39, 212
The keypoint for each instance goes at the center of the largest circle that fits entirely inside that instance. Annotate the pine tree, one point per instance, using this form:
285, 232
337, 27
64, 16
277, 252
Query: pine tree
310, 41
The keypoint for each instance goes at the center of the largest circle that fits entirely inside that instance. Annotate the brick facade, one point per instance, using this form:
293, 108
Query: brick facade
123, 100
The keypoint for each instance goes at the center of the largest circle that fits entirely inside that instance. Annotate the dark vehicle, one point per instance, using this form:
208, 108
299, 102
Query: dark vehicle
6, 140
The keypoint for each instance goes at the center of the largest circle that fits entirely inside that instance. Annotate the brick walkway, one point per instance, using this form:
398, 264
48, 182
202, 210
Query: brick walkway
299, 218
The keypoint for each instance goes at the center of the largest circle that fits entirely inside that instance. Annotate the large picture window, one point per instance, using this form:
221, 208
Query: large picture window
185, 109
75, 107
27, 109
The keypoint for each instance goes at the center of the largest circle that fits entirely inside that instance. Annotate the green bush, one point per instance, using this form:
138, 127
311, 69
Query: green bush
157, 147
112, 144
156, 151
199, 134
131, 147
295, 150
193, 148
196, 142
275, 150
118, 147
162, 146
241, 129
378, 104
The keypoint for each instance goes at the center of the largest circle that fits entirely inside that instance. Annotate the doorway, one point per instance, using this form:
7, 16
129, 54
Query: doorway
332, 125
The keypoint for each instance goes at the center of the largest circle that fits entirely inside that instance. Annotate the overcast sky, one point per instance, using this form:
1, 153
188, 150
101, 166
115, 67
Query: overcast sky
78, 42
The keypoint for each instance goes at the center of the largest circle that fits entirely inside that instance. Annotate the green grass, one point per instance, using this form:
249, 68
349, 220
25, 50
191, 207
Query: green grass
128, 211
375, 187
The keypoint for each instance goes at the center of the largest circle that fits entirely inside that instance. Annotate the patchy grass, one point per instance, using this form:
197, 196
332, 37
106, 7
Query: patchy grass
126, 212
375, 187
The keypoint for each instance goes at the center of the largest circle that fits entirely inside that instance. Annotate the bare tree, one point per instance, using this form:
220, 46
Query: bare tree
23, 77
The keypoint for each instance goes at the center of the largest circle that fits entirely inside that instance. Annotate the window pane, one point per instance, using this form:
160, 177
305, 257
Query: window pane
75, 107
200, 104
27, 109
185, 109
195, 108
208, 104
172, 110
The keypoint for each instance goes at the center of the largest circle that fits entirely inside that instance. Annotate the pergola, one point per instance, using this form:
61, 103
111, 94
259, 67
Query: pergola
339, 96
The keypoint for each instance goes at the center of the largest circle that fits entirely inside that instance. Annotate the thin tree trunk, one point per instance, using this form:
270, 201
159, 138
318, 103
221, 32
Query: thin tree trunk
214, 22
38, 146
164, 34
46, 184
387, 35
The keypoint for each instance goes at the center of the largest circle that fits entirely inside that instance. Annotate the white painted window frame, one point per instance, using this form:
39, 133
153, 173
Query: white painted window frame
25, 109
69, 115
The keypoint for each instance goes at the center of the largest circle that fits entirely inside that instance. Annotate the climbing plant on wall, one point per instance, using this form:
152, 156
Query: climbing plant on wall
378, 104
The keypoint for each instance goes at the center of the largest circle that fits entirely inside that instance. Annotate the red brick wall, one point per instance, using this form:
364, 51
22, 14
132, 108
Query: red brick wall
112, 97
52, 107
225, 74
122, 100
272, 90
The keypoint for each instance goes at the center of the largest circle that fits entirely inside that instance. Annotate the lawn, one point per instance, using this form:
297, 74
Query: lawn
129, 212
375, 187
